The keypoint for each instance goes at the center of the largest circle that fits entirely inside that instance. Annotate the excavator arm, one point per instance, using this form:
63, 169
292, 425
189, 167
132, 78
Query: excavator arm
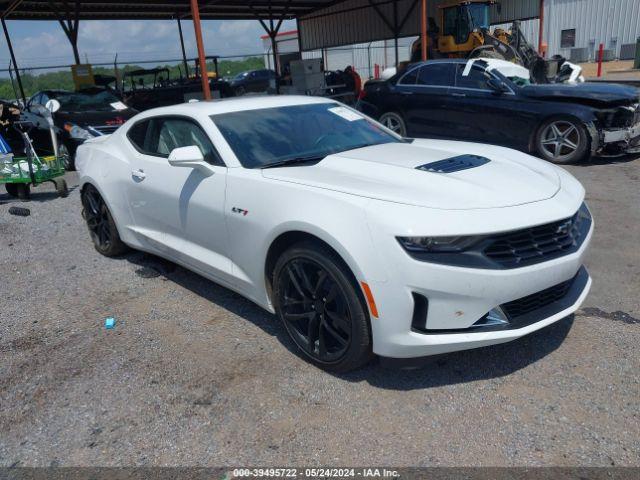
518, 50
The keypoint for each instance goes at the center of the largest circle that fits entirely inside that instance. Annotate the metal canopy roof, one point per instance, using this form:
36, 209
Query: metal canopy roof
158, 9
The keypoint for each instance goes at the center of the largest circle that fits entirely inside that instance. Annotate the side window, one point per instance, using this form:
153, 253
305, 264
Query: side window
174, 132
476, 79
44, 98
436, 75
137, 135
410, 78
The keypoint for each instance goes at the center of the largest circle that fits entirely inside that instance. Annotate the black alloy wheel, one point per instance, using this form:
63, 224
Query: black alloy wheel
102, 228
321, 309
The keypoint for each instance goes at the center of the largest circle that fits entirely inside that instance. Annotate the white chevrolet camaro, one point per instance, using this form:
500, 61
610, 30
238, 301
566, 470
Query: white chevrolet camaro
362, 242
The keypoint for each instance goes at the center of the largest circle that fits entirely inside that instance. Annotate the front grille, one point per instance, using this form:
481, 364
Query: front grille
536, 301
106, 129
541, 243
624, 117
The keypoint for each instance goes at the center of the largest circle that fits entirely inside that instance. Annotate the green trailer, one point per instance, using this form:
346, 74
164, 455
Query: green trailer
19, 174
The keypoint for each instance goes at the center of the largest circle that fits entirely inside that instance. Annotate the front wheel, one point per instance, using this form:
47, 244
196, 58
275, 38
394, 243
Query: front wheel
562, 141
68, 159
18, 190
11, 189
318, 302
62, 188
102, 228
394, 122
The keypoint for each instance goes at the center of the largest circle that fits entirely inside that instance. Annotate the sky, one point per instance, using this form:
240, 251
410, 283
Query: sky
39, 43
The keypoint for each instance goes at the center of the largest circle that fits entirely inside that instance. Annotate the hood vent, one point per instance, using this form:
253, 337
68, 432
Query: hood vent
454, 164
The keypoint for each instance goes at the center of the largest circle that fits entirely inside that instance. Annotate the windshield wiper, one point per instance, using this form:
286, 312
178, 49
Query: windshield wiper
295, 161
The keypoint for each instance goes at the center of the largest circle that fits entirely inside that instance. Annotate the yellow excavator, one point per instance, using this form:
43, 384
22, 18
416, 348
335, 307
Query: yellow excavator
464, 32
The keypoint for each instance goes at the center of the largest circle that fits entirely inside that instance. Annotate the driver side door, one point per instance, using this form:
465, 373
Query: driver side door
478, 112
179, 211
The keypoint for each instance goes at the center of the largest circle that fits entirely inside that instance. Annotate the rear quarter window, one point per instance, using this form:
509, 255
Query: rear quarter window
137, 134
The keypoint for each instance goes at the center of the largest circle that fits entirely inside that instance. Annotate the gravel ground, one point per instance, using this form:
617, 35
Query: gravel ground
193, 374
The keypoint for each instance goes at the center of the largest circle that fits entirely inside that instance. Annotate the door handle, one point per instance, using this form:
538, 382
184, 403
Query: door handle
139, 174
406, 93
453, 94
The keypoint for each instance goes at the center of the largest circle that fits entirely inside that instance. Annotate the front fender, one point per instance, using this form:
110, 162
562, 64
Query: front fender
276, 207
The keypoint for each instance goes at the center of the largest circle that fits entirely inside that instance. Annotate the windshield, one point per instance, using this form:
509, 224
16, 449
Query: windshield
270, 135
83, 102
520, 76
519, 81
479, 15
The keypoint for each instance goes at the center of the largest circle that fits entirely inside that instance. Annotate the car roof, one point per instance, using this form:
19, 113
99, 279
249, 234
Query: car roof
442, 60
237, 104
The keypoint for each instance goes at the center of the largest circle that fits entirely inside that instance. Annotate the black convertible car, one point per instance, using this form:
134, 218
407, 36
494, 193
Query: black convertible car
493, 101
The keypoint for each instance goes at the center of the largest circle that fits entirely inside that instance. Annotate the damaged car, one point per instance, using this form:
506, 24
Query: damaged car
494, 101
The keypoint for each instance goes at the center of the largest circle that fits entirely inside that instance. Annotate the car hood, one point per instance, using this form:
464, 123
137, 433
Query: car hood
599, 94
90, 118
388, 172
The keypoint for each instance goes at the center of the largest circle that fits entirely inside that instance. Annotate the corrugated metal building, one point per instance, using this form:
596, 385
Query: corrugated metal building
587, 23
359, 21
364, 30
363, 57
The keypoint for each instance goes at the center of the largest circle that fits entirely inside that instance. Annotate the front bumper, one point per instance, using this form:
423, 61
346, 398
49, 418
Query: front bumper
458, 297
621, 140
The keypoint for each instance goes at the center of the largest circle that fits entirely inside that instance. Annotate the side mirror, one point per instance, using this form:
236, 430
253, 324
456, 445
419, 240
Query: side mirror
496, 85
190, 157
53, 105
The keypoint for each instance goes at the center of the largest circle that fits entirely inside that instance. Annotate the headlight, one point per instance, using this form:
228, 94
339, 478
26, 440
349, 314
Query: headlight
438, 244
77, 132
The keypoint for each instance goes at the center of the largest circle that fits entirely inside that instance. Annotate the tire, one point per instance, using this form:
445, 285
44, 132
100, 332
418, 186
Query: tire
19, 211
12, 189
61, 187
240, 91
68, 158
562, 140
23, 191
102, 228
318, 301
394, 122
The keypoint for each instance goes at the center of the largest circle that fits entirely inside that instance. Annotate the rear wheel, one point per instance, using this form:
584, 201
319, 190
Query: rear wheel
562, 140
102, 228
394, 122
11, 189
317, 300
61, 187
22, 190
